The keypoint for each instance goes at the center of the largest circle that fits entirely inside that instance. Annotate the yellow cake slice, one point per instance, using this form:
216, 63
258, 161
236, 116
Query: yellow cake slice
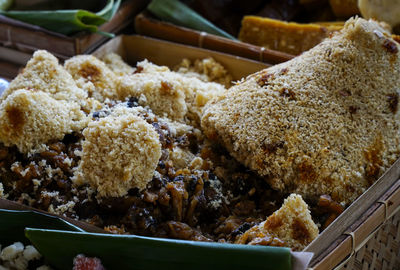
289, 37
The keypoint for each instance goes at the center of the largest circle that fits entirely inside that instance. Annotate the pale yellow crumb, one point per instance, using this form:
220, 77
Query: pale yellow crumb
326, 122
292, 224
44, 73
207, 70
117, 65
93, 75
119, 152
29, 119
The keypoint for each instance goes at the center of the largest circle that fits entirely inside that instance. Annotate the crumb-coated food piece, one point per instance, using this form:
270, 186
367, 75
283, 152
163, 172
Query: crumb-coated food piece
44, 73
117, 65
93, 75
292, 224
207, 70
326, 122
146, 66
29, 118
159, 91
119, 152
168, 93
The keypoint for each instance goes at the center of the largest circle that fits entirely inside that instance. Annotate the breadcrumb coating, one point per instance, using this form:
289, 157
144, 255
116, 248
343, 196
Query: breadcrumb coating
117, 65
26, 124
169, 93
92, 75
292, 223
44, 73
326, 122
207, 70
158, 91
120, 152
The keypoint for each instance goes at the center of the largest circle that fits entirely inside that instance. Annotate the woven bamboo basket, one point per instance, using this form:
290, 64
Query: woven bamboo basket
365, 236
372, 242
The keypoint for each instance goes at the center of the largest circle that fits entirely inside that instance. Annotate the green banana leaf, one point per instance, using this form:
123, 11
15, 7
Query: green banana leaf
178, 13
137, 252
67, 22
13, 224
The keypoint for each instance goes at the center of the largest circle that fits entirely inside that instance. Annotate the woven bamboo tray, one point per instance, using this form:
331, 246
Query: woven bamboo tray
147, 25
365, 236
372, 241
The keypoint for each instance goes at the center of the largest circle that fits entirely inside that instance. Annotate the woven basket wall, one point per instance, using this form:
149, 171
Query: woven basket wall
382, 251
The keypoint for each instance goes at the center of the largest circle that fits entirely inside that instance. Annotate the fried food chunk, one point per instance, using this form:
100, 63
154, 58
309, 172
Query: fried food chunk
326, 122
168, 93
207, 70
159, 91
120, 152
44, 73
117, 65
292, 224
92, 75
28, 119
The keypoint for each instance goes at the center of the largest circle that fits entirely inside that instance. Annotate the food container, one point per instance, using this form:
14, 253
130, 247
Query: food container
147, 25
365, 236
18, 40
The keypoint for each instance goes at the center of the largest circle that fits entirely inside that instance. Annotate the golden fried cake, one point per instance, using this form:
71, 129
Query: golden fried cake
117, 65
168, 93
93, 75
292, 224
120, 152
29, 119
44, 73
159, 91
207, 70
326, 122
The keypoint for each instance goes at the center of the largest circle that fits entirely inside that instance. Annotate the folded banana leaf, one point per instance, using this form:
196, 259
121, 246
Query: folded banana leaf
67, 22
178, 13
13, 224
137, 252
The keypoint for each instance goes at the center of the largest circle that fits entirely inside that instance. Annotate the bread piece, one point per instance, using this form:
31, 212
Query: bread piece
93, 75
29, 119
44, 73
292, 224
289, 37
120, 152
326, 122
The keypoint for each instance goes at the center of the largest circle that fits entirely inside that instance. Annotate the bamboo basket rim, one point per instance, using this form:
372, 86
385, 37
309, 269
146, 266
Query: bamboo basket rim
147, 25
360, 232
